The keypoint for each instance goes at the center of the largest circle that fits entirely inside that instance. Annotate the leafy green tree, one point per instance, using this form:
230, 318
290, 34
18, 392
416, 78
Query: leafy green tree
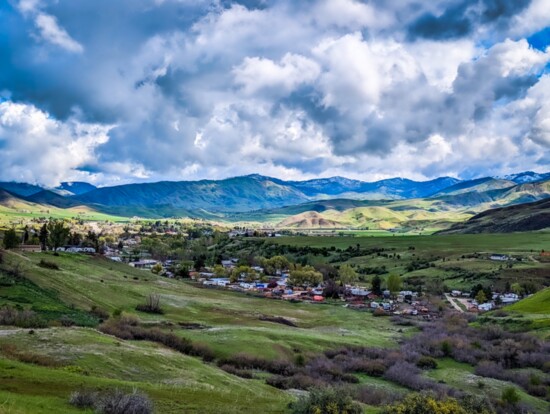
347, 274
11, 240
219, 271
305, 276
157, 269
242, 271
58, 234
394, 283
480, 297
516, 288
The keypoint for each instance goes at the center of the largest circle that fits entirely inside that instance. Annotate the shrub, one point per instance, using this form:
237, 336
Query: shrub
11, 351
116, 402
326, 401
99, 312
151, 305
376, 396
46, 264
425, 404
21, 318
66, 321
83, 399
235, 371
426, 362
510, 396
127, 327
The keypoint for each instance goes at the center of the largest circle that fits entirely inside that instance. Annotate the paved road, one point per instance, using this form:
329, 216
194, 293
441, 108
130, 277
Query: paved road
452, 302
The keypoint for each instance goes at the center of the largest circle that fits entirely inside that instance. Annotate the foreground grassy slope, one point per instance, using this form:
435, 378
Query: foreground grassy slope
83, 357
89, 359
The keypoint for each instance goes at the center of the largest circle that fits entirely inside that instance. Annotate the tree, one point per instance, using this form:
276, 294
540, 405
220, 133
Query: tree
305, 276
347, 274
516, 288
157, 268
394, 283
10, 239
58, 234
376, 285
480, 297
243, 271
43, 237
219, 271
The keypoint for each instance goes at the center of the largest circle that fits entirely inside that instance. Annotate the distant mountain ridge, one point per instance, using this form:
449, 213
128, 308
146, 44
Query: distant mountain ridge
256, 192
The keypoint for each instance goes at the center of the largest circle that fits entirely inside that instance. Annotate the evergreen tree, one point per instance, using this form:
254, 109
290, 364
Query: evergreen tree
10, 239
376, 285
43, 237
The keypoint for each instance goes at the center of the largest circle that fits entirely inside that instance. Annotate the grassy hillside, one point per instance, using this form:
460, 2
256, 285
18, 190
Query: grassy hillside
522, 217
538, 303
230, 324
40, 370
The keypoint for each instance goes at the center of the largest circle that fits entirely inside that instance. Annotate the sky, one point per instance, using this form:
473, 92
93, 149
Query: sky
114, 92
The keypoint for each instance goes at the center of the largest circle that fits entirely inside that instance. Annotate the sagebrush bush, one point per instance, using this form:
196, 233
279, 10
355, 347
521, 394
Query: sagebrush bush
119, 402
21, 318
127, 327
151, 305
83, 399
48, 265
112, 402
326, 401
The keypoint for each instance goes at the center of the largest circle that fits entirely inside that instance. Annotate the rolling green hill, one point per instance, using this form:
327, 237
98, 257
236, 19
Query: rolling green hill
521, 217
538, 303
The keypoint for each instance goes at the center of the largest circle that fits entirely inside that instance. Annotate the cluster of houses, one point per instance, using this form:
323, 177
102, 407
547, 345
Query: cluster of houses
473, 306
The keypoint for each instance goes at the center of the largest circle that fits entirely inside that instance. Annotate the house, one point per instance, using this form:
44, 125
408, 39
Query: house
360, 292
499, 257
509, 298
230, 263
143, 264
76, 249
456, 293
485, 306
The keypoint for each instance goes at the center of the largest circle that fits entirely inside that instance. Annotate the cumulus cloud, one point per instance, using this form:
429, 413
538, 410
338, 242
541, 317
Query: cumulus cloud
179, 89
38, 149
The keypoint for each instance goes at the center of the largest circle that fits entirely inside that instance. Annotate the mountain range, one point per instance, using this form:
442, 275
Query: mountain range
326, 202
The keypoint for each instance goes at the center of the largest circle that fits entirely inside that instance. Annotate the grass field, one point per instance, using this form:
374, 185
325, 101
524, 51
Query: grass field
456, 243
229, 322
176, 382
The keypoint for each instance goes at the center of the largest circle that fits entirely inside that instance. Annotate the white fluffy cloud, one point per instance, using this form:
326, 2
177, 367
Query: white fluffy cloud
208, 89
37, 148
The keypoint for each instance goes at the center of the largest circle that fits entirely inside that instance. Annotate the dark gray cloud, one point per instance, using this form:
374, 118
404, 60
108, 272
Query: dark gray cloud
465, 16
